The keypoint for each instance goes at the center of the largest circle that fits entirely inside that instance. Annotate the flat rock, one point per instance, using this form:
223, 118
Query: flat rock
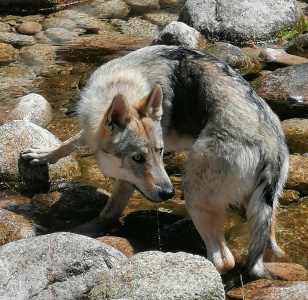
59, 36
30, 28
18, 40
161, 18
54, 266
180, 34
241, 21
296, 131
288, 271
18, 135
286, 91
155, 275
143, 6
8, 53
53, 21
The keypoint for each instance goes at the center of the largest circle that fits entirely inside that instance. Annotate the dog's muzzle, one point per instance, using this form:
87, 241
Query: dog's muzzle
166, 194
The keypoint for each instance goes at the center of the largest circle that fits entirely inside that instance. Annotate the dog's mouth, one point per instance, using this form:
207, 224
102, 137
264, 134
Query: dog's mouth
145, 196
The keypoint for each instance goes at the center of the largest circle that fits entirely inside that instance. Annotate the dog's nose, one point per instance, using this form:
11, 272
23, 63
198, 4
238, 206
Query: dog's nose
166, 194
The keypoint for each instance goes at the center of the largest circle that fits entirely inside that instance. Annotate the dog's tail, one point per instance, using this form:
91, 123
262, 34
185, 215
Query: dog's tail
264, 200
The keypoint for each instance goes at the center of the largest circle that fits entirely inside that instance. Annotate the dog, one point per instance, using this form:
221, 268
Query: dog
168, 98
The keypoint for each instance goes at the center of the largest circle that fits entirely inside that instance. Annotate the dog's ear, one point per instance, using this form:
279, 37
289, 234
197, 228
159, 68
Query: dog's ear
152, 104
118, 112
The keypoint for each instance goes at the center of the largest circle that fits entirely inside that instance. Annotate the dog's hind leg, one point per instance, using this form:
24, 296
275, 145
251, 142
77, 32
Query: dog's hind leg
37, 155
114, 208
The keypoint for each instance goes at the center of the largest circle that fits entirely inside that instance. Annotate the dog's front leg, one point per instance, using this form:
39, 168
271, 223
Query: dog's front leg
37, 155
114, 208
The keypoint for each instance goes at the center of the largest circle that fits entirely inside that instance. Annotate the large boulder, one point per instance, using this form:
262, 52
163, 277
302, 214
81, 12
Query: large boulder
54, 266
241, 21
155, 275
18, 135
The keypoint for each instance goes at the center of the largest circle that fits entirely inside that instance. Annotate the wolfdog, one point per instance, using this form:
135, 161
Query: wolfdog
167, 98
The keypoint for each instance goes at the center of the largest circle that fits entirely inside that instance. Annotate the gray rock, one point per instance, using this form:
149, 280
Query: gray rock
54, 21
59, 36
18, 135
179, 34
161, 276
143, 5
54, 266
161, 18
32, 107
16, 39
239, 21
286, 90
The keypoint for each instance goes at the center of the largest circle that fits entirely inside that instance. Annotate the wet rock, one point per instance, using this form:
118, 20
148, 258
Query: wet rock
156, 275
14, 227
143, 6
16, 203
15, 81
269, 289
180, 34
113, 9
235, 57
137, 26
161, 18
8, 53
298, 174
296, 131
56, 22
288, 197
119, 243
17, 40
239, 21
286, 91
4, 27
59, 36
70, 205
32, 107
18, 135
30, 28
281, 56
42, 38
38, 56
287, 271
54, 266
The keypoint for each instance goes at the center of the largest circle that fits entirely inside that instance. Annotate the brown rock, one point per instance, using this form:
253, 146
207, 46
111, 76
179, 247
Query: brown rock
4, 27
119, 243
8, 53
30, 28
14, 227
296, 131
298, 174
289, 197
143, 5
288, 271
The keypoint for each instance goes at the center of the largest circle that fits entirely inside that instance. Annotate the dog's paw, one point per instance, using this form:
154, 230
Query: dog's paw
38, 155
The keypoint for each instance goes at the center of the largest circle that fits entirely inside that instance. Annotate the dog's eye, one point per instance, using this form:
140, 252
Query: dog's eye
138, 158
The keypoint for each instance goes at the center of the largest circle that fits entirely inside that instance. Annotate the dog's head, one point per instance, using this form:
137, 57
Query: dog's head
131, 145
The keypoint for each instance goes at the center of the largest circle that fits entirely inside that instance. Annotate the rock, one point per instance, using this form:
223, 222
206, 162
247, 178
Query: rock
285, 91
288, 271
288, 197
38, 56
4, 27
59, 36
8, 53
298, 174
143, 6
281, 56
296, 131
18, 135
15, 81
54, 266
32, 107
16, 203
30, 28
155, 275
136, 26
57, 22
180, 34
70, 205
119, 243
235, 57
42, 38
161, 18
17, 40
239, 21
113, 9
298, 44
14, 227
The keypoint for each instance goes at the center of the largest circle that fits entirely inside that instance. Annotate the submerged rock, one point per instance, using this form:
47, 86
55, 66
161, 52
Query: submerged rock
8, 53
143, 6
54, 266
30, 28
241, 21
155, 275
18, 40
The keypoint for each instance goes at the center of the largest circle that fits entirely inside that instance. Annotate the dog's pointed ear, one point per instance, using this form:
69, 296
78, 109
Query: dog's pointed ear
118, 112
152, 104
